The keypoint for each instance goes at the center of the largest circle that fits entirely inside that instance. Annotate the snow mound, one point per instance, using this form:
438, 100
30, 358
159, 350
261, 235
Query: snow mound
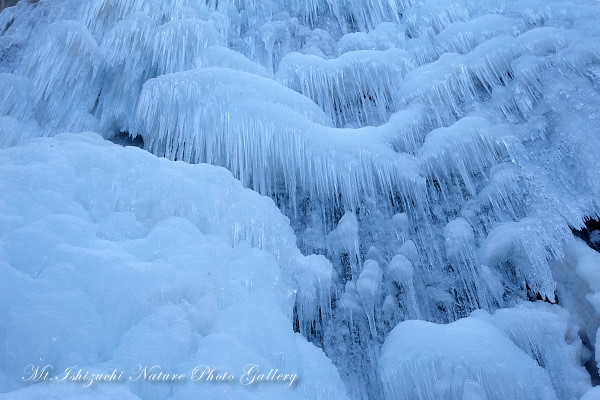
521, 353
108, 253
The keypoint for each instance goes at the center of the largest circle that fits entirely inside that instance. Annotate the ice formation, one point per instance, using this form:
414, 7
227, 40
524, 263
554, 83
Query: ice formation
481, 358
178, 43
344, 87
150, 262
432, 158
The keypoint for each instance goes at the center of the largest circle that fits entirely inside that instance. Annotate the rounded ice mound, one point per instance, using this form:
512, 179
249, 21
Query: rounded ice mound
111, 257
467, 357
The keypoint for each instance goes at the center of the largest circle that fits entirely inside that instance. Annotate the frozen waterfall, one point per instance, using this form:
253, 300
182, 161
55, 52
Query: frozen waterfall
382, 196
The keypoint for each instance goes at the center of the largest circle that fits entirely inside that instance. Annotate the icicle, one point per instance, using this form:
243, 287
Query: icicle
385, 36
344, 240
466, 148
128, 52
502, 198
445, 81
178, 43
314, 276
100, 15
368, 289
441, 362
14, 132
453, 79
316, 42
462, 256
542, 331
216, 56
410, 251
7, 18
402, 226
273, 35
405, 130
522, 244
181, 121
546, 40
66, 69
401, 271
429, 19
527, 89
581, 54
308, 10
182, 13
389, 310
490, 62
423, 50
366, 15
472, 390
350, 303
352, 87
462, 37
374, 254
291, 146
14, 96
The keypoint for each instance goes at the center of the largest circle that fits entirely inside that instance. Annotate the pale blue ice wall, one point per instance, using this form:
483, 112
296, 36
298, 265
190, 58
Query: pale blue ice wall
438, 153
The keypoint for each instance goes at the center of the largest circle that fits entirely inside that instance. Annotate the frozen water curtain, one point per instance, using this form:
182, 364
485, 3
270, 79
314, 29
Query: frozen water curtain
300, 199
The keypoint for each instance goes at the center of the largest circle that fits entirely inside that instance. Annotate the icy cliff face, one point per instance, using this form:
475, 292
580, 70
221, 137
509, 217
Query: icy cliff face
434, 154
